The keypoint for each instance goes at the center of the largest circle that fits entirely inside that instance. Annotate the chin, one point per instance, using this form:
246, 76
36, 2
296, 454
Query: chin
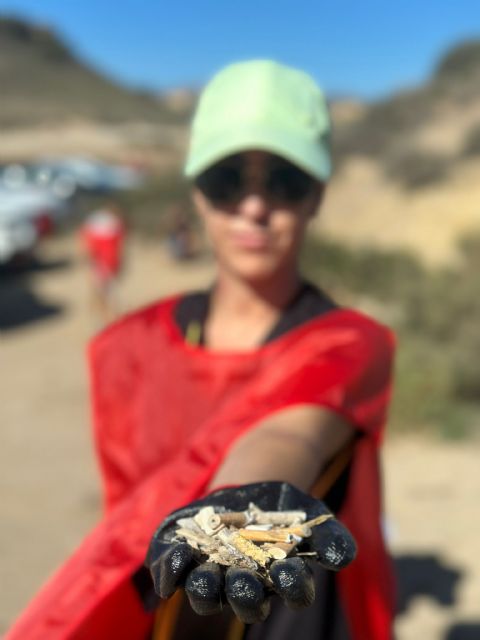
255, 268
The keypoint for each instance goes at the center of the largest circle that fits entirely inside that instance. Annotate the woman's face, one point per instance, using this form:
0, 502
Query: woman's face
256, 207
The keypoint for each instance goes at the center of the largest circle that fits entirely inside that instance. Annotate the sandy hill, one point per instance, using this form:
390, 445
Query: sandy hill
408, 168
53, 102
44, 81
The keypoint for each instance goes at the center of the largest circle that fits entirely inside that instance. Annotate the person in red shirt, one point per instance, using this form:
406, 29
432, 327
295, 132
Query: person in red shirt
259, 389
102, 239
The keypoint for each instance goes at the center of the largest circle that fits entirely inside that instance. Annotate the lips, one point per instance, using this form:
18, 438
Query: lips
253, 241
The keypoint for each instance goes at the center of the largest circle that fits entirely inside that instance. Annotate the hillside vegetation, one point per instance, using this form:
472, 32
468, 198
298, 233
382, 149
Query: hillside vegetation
395, 131
43, 81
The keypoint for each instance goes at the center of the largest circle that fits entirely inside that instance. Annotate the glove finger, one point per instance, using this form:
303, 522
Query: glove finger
246, 595
170, 569
334, 545
293, 581
204, 586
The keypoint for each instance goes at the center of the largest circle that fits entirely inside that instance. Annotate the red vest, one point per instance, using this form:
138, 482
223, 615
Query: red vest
104, 249
165, 414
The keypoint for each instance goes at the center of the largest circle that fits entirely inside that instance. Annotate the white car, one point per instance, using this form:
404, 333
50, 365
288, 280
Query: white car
26, 214
67, 175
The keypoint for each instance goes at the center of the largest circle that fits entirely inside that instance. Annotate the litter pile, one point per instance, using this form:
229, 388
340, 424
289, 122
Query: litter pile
250, 539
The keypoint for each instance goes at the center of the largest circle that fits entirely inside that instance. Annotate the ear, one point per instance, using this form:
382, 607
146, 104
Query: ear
199, 201
317, 197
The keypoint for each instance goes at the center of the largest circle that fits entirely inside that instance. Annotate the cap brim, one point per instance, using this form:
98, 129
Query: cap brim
308, 154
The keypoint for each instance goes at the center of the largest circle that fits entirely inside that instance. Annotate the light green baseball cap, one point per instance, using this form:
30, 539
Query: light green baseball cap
261, 104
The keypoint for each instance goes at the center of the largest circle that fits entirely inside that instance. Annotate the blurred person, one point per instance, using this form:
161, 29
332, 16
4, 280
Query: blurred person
180, 239
260, 389
102, 238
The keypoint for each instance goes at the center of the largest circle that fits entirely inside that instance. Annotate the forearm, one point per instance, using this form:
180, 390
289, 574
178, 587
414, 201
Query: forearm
292, 447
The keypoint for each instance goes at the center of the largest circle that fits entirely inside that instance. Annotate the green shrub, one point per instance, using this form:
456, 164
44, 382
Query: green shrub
385, 275
417, 169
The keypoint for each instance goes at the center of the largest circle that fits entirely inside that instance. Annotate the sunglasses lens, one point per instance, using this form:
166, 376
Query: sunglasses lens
289, 184
224, 183
221, 183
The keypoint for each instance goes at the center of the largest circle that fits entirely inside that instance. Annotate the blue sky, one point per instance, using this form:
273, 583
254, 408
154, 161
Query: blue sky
365, 48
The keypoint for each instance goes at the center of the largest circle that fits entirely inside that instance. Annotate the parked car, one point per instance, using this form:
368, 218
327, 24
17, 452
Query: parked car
66, 176
26, 215
96, 176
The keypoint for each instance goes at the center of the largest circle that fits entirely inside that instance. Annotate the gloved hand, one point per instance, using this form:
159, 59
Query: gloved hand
208, 586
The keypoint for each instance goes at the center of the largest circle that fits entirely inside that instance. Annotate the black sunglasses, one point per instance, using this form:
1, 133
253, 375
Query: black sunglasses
225, 183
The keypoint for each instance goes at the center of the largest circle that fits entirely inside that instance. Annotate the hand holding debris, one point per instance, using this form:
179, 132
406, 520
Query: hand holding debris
240, 545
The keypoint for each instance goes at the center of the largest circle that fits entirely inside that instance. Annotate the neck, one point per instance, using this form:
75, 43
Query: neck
242, 313
275, 293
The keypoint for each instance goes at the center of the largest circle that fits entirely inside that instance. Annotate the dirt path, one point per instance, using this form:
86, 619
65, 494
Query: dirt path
49, 490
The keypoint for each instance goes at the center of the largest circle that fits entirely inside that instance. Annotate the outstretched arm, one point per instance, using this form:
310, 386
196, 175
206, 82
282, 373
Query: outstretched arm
293, 445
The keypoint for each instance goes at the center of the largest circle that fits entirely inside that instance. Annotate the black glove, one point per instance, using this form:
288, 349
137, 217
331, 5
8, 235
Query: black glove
208, 586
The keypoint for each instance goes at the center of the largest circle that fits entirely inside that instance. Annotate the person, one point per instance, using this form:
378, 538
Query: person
179, 238
102, 238
260, 389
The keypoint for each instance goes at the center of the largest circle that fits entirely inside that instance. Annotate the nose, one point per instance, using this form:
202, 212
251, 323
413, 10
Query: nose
254, 206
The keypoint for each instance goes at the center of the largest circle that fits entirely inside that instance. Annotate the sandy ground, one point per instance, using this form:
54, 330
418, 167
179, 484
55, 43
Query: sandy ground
49, 491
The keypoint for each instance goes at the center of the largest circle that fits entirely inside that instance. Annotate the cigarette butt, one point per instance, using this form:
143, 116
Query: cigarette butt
274, 535
208, 521
276, 553
193, 536
286, 547
233, 518
279, 550
214, 521
301, 531
276, 518
249, 549
318, 520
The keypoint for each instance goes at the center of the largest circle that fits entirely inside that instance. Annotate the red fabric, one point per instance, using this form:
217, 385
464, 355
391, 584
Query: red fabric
104, 249
165, 415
